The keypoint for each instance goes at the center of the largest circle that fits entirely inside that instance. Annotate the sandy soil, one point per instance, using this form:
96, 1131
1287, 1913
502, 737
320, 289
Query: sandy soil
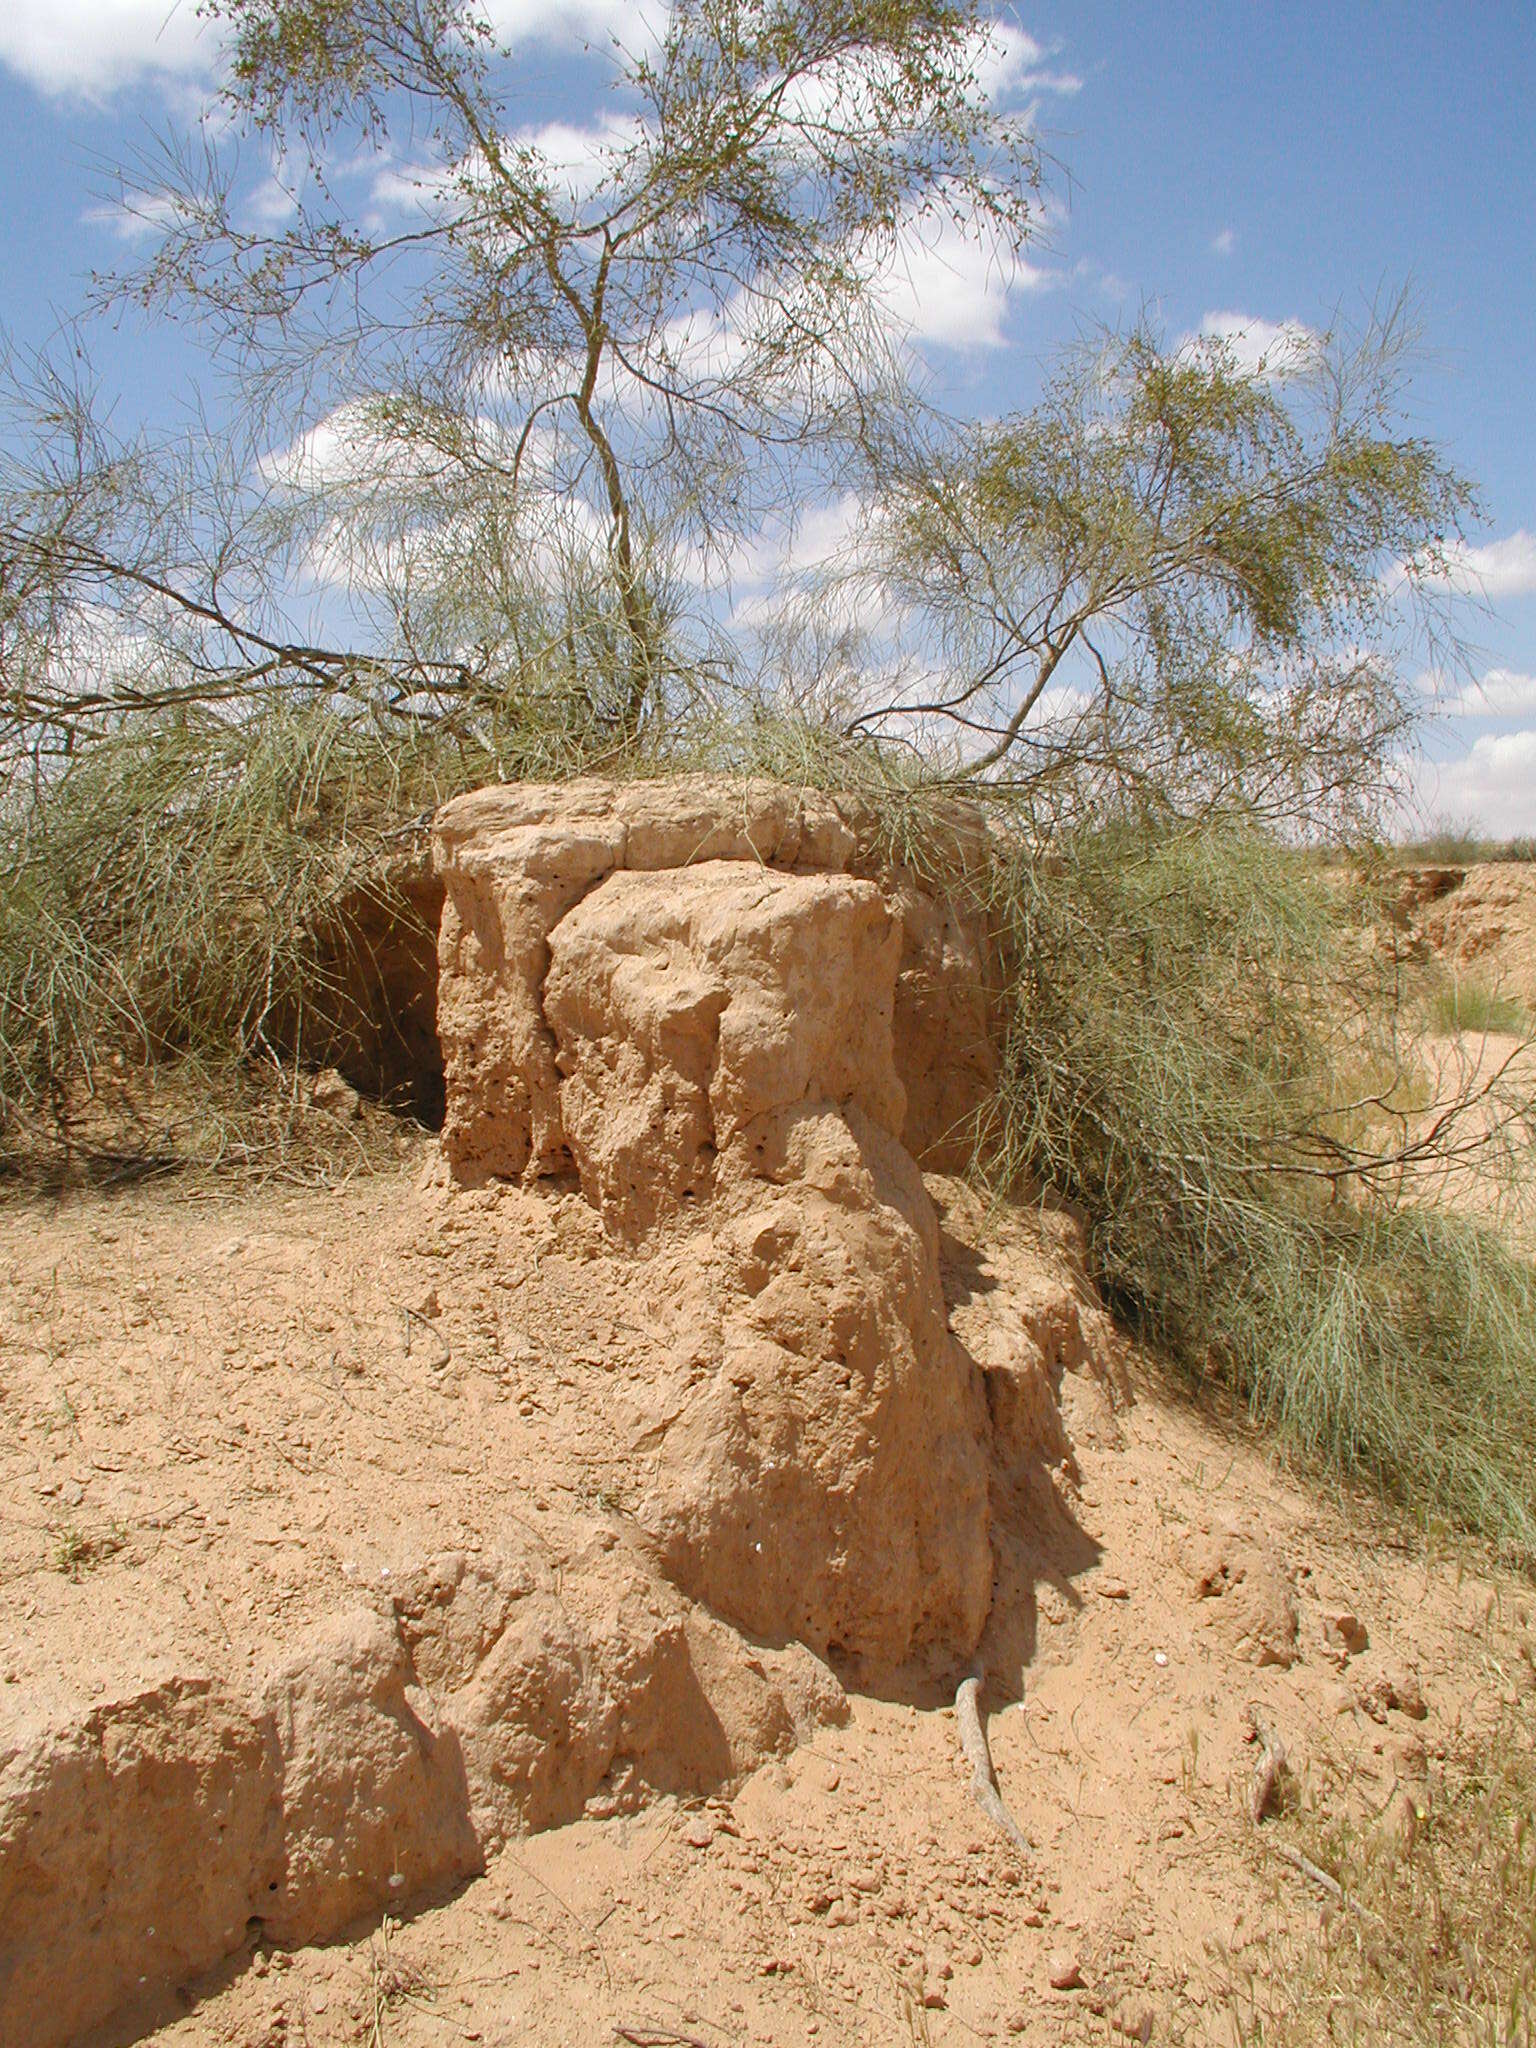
223, 1416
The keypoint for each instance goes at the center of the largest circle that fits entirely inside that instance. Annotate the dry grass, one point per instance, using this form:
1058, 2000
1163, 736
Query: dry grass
1469, 1006
1435, 1943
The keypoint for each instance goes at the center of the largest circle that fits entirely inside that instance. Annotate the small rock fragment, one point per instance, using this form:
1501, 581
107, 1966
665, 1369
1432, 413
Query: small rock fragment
1344, 1634
1064, 1970
335, 1095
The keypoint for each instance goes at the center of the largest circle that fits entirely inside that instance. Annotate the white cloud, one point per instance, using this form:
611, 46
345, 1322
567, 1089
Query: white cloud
1271, 349
952, 287
1502, 693
637, 24
272, 204
1504, 568
1012, 62
148, 213
91, 47
1224, 243
1492, 787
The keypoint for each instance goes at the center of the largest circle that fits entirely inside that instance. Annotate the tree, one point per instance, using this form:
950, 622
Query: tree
532, 421
1178, 582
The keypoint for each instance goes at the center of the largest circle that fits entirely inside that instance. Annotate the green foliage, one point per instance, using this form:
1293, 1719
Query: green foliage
1195, 1054
167, 889
1165, 588
1468, 1006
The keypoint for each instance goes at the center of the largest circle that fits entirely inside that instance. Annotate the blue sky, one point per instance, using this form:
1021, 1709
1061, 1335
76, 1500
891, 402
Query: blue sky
1246, 161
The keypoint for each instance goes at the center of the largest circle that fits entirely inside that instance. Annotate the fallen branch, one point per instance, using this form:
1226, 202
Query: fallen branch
1289, 1854
1310, 1869
973, 1740
658, 2037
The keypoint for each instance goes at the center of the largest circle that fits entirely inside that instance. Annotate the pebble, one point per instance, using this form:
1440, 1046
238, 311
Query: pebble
1114, 1589
1063, 1970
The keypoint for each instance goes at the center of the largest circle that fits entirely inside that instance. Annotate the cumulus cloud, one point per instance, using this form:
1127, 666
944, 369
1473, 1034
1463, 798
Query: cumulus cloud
1224, 243
1502, 568
1492, 787
1271, 349
950, 287
1502, 693
91, 47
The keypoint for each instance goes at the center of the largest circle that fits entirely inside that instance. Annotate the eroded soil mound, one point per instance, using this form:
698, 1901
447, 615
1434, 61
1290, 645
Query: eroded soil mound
1484, 922
344, 1490
342, 1546
677, 1415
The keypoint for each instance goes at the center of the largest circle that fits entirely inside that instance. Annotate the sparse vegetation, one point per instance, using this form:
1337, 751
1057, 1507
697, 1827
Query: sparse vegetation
1437, 1943
1460, 845
1196, 1055
78, 1551
1468, 1006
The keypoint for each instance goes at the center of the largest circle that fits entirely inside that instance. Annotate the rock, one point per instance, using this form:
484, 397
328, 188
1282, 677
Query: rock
369, 1788
513, 861
337, 1097
686, 1007
1252, 1613
708, 1040
1064, 1970
1393, 1688
827, 1480
395, 1748
1344, 1633
184, 1772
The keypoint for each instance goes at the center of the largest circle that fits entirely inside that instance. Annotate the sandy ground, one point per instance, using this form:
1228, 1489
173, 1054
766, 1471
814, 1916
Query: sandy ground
221, 1416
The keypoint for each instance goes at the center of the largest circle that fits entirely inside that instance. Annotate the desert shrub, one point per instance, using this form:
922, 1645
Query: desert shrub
1461, 845
1200, 1052
167, 891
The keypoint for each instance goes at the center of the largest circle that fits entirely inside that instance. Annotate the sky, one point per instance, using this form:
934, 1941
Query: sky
1226, 165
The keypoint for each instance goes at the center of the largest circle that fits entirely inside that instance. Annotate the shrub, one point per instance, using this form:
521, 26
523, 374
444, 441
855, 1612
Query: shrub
1199, 1052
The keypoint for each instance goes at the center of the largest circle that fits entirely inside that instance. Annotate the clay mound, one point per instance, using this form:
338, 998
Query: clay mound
1486, 923
713, 1038
396, 1746
516, 860
717, 1013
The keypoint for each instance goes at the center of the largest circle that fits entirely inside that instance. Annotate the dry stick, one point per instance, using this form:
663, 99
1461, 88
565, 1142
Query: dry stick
973, 1740
657, 2037
1288, 1854
1310, 1869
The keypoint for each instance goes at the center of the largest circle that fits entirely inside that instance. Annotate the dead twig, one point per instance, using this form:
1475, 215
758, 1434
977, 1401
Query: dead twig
658, 2037
1308, 1868
973, 1740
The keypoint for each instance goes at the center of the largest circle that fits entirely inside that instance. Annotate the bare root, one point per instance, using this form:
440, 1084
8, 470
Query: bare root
973, 1740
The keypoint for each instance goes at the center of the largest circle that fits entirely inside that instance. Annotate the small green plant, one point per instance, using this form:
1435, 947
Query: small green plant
1469, 1006
77, 1552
